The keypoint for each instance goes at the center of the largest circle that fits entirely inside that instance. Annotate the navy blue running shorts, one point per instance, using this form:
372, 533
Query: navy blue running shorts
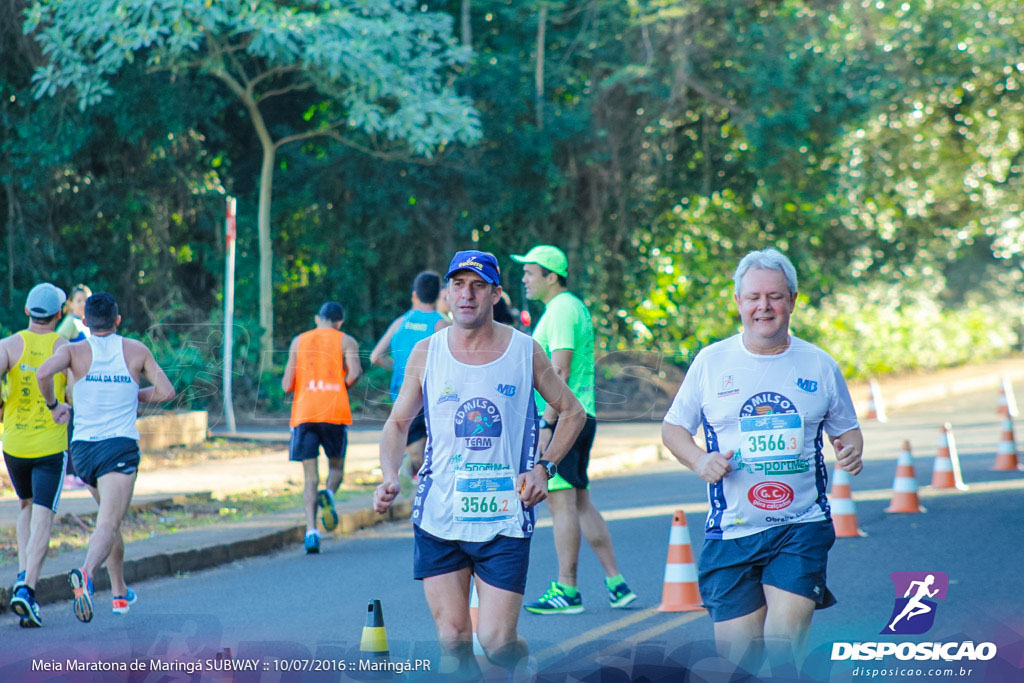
792, 557
38, 479
417, 428
501, 562
93, 459
572, 469
308, 437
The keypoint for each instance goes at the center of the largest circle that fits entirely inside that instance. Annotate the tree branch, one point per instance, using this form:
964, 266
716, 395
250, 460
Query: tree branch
283, 91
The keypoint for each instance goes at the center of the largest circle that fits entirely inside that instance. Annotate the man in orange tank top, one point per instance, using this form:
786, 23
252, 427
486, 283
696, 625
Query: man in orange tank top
323, 364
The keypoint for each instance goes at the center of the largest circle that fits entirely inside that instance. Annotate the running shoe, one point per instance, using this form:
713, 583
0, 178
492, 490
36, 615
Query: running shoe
555, 601
620, 596
328, 515
81, 584
26, 607
18, 583
312, 542
123, 602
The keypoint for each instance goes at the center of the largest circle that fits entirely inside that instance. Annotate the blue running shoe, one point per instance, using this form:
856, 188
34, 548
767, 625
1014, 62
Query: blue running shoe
328, 515
26, 607
312, 542
81, 584
19, 582
555, 601
620, 596
122, 603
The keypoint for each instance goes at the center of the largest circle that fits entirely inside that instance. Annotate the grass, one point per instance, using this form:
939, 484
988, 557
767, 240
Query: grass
72, 533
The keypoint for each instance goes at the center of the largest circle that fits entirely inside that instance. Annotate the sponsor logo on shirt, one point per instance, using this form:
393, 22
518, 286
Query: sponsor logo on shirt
728, 387
479, 422
507, 390
770, 495
808, 385
766, 403
447, 395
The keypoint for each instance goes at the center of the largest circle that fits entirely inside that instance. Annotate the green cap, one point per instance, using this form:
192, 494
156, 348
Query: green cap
547, 256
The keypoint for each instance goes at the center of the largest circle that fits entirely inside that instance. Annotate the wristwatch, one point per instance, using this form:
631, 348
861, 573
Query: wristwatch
54, 405
544, 424
549, 467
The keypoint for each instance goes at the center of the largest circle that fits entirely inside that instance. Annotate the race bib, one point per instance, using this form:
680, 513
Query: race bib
772, 437
485, 496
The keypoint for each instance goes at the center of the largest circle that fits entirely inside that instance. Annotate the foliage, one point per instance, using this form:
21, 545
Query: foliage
877, 143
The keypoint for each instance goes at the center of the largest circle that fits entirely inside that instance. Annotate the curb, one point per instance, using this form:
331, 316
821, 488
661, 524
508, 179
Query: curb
54, 587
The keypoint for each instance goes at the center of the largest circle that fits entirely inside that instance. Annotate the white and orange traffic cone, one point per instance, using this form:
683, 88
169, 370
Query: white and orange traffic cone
1007, 403
904, 485
876, 408
1006, 454
844, 512
942, 470
680, 593
1002, 408
946, 473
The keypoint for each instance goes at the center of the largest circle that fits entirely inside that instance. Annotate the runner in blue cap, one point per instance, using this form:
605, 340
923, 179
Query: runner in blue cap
473, 513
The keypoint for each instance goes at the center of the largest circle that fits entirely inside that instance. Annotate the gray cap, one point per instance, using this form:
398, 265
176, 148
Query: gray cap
45, 300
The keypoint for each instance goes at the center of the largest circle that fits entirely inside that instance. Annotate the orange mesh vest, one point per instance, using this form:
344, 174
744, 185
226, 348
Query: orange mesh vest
320, 393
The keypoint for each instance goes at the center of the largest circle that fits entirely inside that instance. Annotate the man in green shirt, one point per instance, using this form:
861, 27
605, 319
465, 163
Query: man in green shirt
566, 333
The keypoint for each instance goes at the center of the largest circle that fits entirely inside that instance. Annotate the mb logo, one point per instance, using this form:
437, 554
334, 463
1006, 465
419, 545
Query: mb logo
507, 390
808, 385
914, 612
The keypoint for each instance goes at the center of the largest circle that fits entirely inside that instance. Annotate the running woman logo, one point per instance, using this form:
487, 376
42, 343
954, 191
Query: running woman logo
914, 612
479, 422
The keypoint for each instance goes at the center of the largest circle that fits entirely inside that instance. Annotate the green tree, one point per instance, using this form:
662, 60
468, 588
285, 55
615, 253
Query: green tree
373, 73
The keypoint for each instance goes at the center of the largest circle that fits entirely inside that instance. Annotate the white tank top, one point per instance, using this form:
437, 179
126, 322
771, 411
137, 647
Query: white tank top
107, 398
481, 434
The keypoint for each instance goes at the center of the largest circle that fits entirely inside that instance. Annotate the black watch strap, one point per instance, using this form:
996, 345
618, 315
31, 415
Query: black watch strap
549, 467
544, 424
51, 406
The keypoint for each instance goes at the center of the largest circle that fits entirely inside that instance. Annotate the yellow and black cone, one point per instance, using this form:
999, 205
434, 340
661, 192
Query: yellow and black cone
374, 643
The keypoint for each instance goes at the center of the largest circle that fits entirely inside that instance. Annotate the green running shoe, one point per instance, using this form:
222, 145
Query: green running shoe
328, 515
555, 601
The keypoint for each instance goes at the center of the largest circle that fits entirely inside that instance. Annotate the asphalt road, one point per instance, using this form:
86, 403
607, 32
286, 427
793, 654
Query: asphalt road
291, 610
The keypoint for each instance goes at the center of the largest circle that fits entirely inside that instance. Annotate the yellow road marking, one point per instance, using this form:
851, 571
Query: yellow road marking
595, 633
874, 494
652, 632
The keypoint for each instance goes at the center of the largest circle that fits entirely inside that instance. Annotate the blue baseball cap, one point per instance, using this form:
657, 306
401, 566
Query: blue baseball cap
480, 262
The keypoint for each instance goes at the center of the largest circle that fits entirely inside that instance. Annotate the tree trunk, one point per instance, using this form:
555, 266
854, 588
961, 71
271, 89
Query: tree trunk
266, 256
467, 28
538, 74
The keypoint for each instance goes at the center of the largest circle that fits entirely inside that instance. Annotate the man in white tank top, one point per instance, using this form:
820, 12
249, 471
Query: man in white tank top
105, 449
473, 511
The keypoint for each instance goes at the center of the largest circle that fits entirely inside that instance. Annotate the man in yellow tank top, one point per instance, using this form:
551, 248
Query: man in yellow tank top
34, 445
323, 364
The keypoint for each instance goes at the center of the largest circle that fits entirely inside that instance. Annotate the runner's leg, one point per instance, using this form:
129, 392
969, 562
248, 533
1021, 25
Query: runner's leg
23, 532
741, 640
335, 473
448, 598
595, 530
497, 625
114, 495
786, 626
311, 473
562, 505
38, 544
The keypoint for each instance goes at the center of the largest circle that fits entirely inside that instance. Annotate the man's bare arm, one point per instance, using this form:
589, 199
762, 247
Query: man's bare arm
288, 380
381, 354
396, 429
353, 365
161, 390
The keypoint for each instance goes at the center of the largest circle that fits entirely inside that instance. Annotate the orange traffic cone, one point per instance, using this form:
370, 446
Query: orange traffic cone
904, 485
942, 471
474, 616
680, 592
1002, 407
844, 512
876, 409
1006, 455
